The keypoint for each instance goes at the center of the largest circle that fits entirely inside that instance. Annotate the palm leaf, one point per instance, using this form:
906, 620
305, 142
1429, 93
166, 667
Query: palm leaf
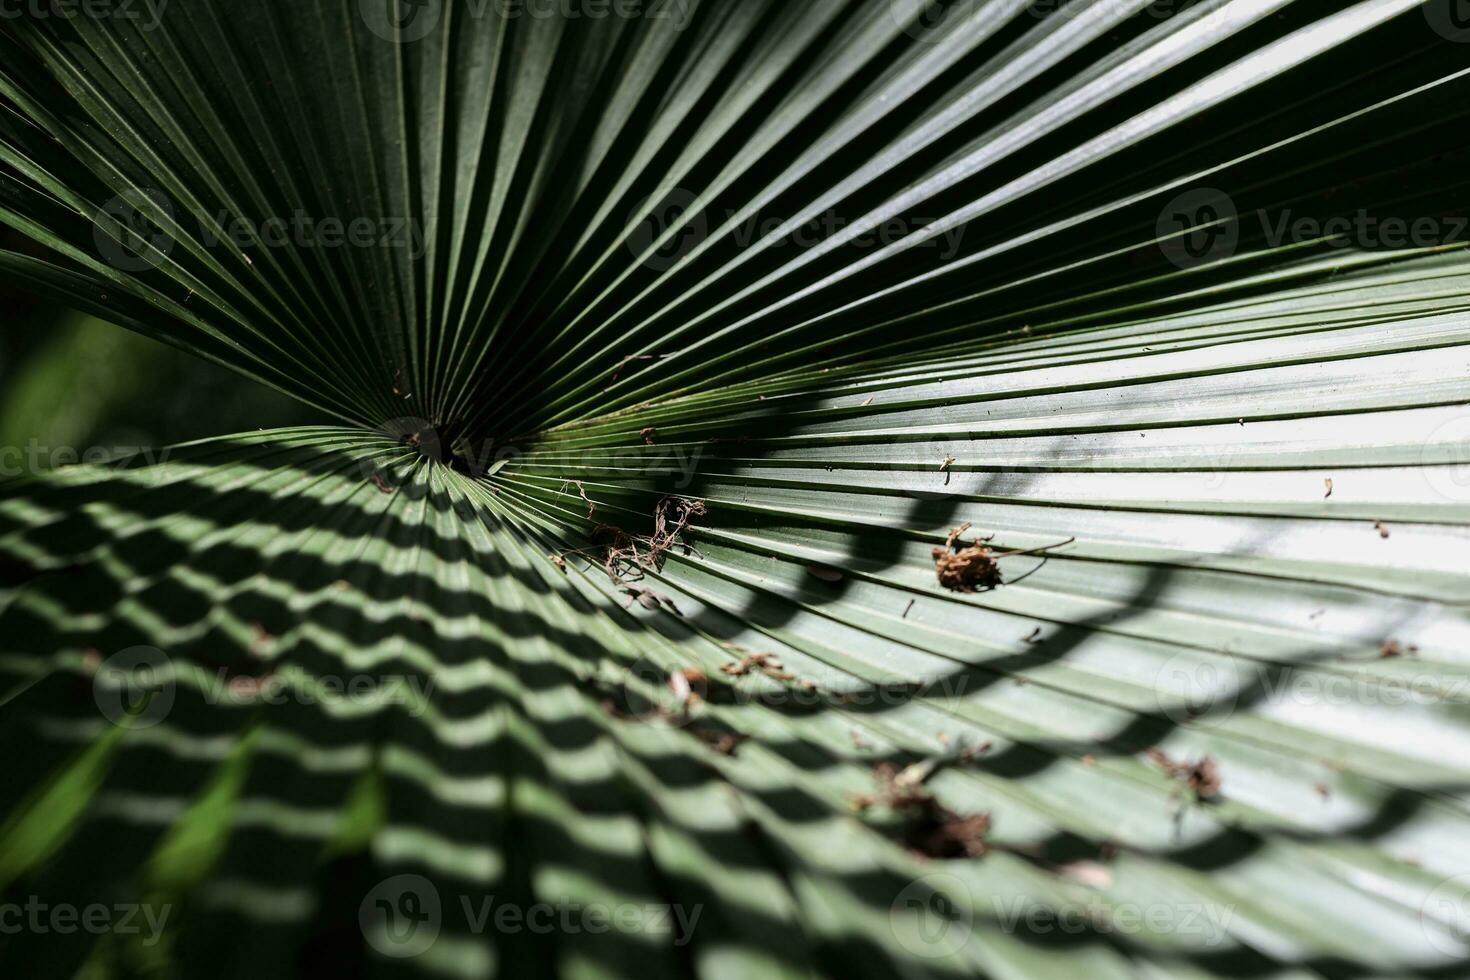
678, 348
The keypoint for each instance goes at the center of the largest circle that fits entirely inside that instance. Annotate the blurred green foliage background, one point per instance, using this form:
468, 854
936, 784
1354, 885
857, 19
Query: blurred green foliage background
73, 387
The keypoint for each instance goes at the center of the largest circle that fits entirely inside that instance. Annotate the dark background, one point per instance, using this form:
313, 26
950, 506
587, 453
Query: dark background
70, 383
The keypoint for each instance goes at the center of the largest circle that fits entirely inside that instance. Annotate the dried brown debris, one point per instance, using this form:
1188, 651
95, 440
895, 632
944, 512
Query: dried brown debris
649, 599
648, 434
689, 686
764, 662
582, 492
724, 743
620, 551
1201, 776
617, 549
767, 664
930, 828
965, 568
971, 567
670, 518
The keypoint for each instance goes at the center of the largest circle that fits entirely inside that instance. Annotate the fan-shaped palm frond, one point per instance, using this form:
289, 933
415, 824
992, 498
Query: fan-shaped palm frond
851, 487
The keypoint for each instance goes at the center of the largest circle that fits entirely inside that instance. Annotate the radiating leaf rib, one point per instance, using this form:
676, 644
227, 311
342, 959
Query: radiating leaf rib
1237, 483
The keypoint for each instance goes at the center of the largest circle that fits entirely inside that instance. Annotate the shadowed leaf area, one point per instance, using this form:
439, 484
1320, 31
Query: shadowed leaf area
841, 488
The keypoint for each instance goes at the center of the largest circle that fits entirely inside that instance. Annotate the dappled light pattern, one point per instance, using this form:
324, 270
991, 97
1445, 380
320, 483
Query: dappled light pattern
618, 587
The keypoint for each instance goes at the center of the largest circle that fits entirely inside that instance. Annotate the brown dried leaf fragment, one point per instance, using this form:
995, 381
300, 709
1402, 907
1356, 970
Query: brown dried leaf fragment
381, 482
766, 663
1201, 776
938, 832
617, 547
966, 568
930, 828
1393, 648
670, 518
582, 492
724, 743
649, 599
969, 568
1328, 483
689, 686
261, 640
648, 434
